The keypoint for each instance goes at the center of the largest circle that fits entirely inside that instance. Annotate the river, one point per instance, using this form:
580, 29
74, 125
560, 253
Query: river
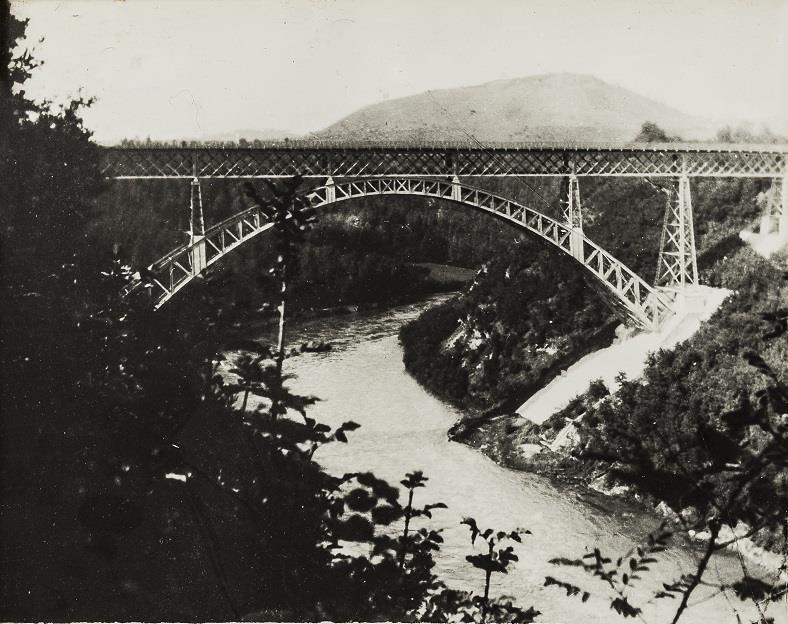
403, 428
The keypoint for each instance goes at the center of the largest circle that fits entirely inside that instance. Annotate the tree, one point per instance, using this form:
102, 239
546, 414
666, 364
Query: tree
746, 134
291, 214
49, 166
652, 133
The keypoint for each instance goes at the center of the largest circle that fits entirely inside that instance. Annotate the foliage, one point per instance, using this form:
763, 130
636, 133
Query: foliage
141, 481
580, 406
53, 149
427, 360
618, 577
497, 558
652, 133
146, 475
445, 604
746, 134
291, 215
691, 388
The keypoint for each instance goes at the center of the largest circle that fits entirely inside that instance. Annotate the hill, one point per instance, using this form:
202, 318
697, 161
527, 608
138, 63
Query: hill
552, 107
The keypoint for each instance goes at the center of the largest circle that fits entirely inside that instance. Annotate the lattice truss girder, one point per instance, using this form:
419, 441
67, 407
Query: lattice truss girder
677, 265
376, 161
645, 306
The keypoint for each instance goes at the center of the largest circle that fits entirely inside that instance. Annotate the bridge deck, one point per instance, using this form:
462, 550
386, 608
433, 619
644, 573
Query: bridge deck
321, 159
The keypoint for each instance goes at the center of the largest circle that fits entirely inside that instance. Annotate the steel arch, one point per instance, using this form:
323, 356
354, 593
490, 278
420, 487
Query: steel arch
646, 306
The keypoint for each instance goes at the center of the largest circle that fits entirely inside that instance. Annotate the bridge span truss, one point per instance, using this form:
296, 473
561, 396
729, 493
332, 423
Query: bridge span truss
321, 159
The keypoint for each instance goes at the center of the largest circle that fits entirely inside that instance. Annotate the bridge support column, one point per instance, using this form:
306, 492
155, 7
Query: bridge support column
573, 216
775, 215
198, 257
783, 219
456, 189
677, 266
196, 227
331, 190
572, 213
576, 245
196, 216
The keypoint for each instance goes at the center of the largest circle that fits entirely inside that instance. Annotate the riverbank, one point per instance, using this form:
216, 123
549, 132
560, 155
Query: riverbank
627, 355
692, 385
403, 428
523, 446
689, 386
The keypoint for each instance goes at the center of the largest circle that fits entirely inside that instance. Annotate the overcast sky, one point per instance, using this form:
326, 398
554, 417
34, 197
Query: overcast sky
172, 68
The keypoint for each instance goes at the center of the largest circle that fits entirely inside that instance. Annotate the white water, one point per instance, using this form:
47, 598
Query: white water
766, 242
404, 429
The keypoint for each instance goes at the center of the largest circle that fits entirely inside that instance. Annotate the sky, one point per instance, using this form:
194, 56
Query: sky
172, 69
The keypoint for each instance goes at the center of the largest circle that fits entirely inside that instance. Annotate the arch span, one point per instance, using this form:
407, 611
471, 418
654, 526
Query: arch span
644, 305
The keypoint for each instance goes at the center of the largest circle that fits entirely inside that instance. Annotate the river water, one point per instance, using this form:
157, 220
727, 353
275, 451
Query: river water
403, 428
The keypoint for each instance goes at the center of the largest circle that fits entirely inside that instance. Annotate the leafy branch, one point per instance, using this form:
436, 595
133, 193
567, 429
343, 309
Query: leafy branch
497, 558
620, 576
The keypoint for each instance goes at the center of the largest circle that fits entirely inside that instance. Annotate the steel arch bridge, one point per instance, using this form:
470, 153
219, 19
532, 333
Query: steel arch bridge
415, 169
646, 306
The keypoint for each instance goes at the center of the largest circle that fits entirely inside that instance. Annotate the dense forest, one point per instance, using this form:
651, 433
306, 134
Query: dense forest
138, 483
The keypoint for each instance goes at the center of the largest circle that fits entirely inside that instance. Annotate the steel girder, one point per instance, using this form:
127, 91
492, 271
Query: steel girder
313, 159
644, 305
